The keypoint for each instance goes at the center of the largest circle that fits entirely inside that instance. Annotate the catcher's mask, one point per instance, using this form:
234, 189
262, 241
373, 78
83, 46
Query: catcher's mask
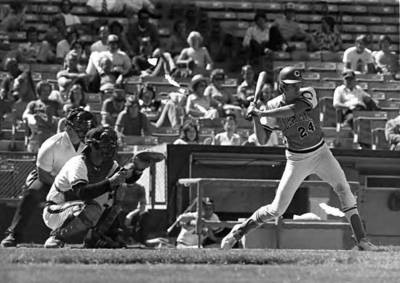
81, 122
103, 139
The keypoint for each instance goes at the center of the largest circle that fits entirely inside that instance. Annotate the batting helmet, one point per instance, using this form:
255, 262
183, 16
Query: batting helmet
104, 139
81, 121
290, 75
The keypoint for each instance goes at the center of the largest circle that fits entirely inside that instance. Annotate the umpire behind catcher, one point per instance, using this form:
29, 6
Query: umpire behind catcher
85, 196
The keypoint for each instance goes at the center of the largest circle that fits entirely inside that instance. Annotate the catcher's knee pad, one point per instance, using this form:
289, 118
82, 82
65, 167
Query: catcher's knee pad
90, 214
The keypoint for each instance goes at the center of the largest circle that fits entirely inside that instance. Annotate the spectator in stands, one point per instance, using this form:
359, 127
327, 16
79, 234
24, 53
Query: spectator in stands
65, 45
137, 220
76, 99
67, 77
350, 97
142, 28
188, 238
118, 29
65, 11
101, 44
149, 104
41, 117
35, 51
118, 7
15, 20
247, 87
196, 56
386, 61
121, 62
229, 136
392, 133
216, 91
188, 133
107, 75
173, 112
261, 39
327, 38
358, 58
132, 122
17, 88
57, 32
178, 39
289, 28
198, 105
149, 63
112, 107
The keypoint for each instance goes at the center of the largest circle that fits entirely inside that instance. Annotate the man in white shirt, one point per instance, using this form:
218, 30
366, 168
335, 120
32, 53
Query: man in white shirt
349, 97
359, 58
53, 154
70, 20
101, 45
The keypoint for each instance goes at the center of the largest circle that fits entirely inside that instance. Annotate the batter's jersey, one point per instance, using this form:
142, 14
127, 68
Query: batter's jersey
76, 171
55, 152
302, 130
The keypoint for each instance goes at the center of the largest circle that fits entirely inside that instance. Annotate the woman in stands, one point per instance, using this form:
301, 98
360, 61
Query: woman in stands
188, 134
149, 103
386, 61
196, 57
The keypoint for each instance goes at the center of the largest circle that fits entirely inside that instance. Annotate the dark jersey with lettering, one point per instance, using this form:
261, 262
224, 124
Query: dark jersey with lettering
302, 130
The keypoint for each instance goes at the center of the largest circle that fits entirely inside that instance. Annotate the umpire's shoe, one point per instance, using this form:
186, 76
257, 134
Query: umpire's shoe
9, 241
53, 243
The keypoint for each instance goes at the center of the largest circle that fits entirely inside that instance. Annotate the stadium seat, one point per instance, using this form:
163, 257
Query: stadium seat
268, 6
378, 139
311, 76
166, 134
321, 66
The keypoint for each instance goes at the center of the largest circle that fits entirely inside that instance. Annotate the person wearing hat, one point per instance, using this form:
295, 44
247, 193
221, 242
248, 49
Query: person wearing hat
187, 238
131, 121
121, 62
349, 97
359, 58
386, 61
198, 105
112, 106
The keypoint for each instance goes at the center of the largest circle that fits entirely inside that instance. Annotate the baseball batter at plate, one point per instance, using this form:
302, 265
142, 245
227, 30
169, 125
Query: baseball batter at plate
297, 115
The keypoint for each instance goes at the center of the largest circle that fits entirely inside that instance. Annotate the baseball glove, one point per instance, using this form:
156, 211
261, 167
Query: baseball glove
150, 156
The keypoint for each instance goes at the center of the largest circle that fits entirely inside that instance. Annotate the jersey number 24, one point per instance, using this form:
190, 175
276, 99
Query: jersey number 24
304, 131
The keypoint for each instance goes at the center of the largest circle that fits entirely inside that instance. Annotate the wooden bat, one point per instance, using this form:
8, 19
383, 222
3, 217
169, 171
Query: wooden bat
257, 93
189, 208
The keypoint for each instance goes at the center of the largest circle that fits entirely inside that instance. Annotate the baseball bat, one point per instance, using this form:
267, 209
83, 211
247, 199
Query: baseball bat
257, 93
170, 228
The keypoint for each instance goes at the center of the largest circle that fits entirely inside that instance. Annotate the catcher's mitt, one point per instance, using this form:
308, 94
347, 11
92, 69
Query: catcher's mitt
150, 156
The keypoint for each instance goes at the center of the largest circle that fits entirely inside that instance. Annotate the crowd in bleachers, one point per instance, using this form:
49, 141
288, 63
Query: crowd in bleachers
184, 77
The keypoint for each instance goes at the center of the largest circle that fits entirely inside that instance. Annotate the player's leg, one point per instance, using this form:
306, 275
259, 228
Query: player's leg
69, 219
32, 196
329, 170
293, 175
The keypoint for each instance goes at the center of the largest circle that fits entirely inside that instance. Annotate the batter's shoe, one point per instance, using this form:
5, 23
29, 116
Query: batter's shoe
9, 241
232, 238
365, 245
53, 243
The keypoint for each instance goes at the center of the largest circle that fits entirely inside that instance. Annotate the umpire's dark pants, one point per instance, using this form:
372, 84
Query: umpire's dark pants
34, 194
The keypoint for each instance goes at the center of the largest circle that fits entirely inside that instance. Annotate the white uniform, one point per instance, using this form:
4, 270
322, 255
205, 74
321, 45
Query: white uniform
75, 171
55, 152
306, 154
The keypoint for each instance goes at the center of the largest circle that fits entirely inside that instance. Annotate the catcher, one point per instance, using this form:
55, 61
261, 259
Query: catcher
85, 196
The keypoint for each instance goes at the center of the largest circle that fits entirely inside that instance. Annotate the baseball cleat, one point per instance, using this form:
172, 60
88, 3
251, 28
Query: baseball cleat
231, 239
52, 243
9, 241
365, 245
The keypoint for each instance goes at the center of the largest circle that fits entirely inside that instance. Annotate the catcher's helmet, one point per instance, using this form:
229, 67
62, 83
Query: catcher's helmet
104, 139
290, 75
81, 121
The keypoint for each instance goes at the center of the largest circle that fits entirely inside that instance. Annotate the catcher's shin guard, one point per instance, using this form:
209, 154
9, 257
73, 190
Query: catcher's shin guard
75, 225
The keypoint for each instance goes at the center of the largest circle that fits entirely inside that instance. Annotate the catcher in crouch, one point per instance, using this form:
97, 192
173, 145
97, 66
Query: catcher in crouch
85, 195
